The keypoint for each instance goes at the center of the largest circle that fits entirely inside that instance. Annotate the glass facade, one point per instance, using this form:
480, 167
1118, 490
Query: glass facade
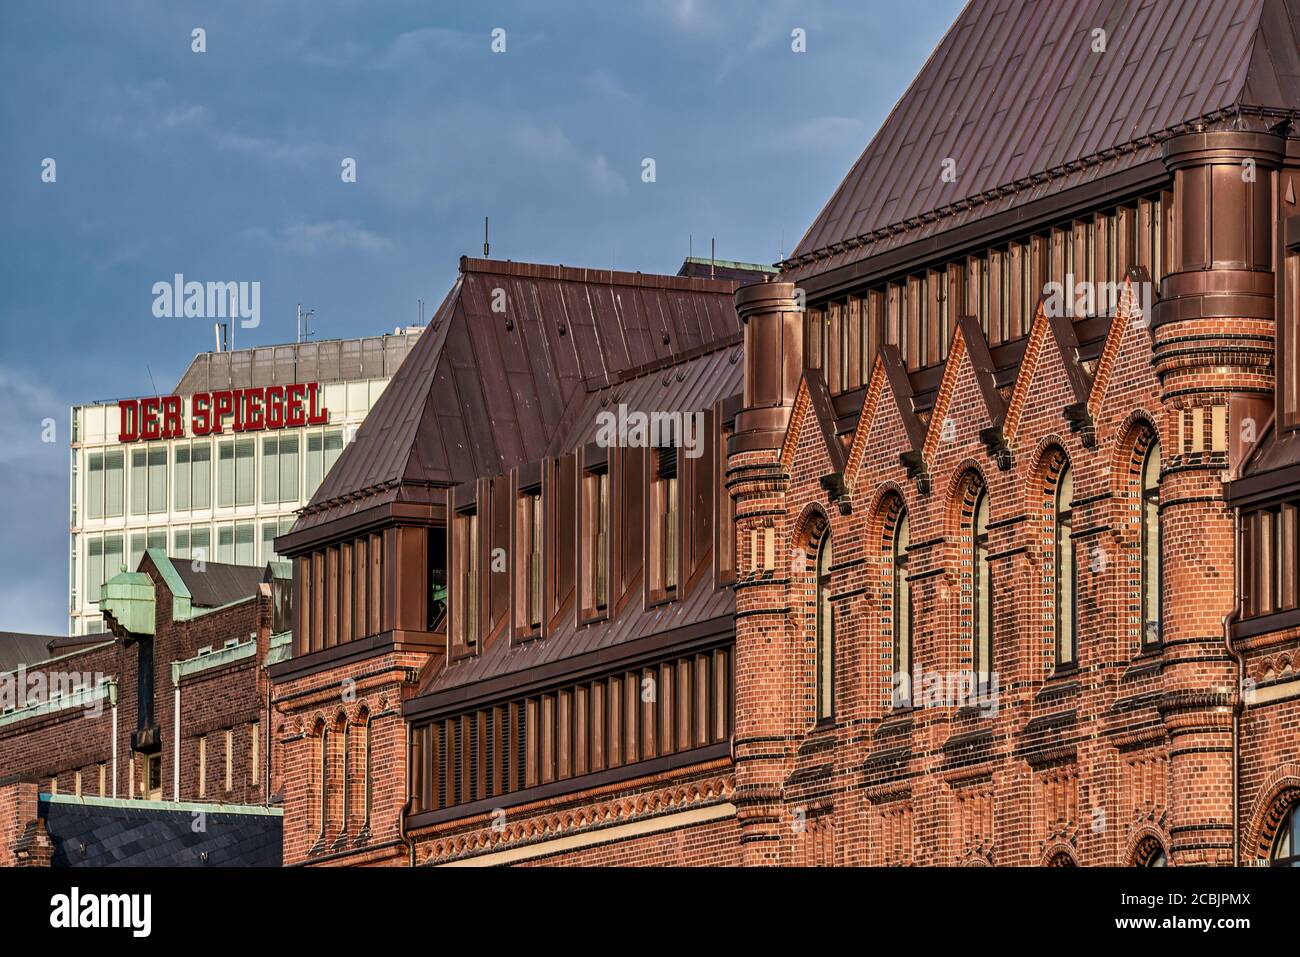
223, 499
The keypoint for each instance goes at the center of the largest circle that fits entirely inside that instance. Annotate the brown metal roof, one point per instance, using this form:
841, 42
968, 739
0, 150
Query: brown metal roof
501, 656
1015, 95
690, 385
494, 379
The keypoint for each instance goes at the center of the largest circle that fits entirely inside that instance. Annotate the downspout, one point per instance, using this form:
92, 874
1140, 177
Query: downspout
266, 760
401, 830
1228, 620
176, 731
112, 698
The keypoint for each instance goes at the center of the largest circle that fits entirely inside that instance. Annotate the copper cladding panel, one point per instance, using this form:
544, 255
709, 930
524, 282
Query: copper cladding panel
1014, 89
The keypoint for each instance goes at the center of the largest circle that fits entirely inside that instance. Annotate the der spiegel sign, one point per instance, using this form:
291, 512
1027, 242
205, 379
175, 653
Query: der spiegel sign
211, 413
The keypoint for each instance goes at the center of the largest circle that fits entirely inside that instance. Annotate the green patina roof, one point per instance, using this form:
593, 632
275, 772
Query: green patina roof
128, 597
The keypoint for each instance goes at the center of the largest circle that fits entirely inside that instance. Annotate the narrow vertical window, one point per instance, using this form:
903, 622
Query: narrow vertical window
535, 560
663, 518
902, 617
1151, 561
825, 631
465, 590
1066, 573
595, 542
203, 766
230, 759
982, 596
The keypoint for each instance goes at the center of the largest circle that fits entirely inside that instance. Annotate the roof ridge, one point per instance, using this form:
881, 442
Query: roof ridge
594, 276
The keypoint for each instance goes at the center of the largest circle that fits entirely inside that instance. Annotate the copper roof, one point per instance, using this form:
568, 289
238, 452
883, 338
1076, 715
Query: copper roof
1016, 97
511, 353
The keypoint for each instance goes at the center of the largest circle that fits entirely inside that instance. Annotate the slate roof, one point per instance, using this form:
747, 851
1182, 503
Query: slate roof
102, 832
1015, 95
493, 380
17, 648
219, 584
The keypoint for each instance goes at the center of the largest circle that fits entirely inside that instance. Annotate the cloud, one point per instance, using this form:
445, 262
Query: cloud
553, 147
31, 409
321, 237
414, 50
147, 112
604, 83
819, 133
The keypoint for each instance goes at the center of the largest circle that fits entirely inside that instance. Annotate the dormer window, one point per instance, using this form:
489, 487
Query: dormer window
595, 542
664, 504
530, 529
465, 583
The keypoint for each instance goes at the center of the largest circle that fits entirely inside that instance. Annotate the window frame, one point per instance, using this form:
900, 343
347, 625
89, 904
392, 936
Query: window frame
824, 628
900, 618
1151, 560
982, 637
1066, 589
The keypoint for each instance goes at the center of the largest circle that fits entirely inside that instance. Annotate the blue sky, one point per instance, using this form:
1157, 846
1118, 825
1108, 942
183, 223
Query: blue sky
225, 165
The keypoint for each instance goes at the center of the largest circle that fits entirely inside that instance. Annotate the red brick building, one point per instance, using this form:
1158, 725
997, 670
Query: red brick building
170, 705
983, 550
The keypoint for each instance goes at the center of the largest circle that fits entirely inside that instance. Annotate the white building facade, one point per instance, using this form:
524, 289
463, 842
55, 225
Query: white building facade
170, 472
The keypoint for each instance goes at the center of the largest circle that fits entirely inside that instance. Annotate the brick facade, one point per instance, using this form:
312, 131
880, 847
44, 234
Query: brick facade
222, 692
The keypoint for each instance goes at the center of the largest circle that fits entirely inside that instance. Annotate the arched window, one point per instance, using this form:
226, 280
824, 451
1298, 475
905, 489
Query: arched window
902, 617
1151, 563
982, 594
1150, 853
825, 632
1066, 572
1286, 843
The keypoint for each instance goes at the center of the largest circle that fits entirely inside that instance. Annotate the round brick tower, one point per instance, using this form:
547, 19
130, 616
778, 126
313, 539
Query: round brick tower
1213, 336
764, 635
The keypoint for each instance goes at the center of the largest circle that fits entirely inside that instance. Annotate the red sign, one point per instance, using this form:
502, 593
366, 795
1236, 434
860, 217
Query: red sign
249, 410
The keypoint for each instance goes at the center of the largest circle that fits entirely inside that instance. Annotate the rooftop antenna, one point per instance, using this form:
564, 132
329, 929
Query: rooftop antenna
421, 302
151, 382
690, 245
713, 241
216, 334
304, 319
486, 254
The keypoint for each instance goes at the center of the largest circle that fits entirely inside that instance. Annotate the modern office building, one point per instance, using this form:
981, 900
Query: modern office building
159, 473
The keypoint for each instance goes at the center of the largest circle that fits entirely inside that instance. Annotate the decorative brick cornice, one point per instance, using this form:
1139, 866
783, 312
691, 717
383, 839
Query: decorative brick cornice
543, 824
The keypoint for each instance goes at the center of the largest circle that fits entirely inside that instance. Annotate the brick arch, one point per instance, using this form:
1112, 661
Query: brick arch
1045, 471
1134, 438
884, 492
360, 716
812, 524
1142, 843
1060, 854
1280, 791
963, 491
